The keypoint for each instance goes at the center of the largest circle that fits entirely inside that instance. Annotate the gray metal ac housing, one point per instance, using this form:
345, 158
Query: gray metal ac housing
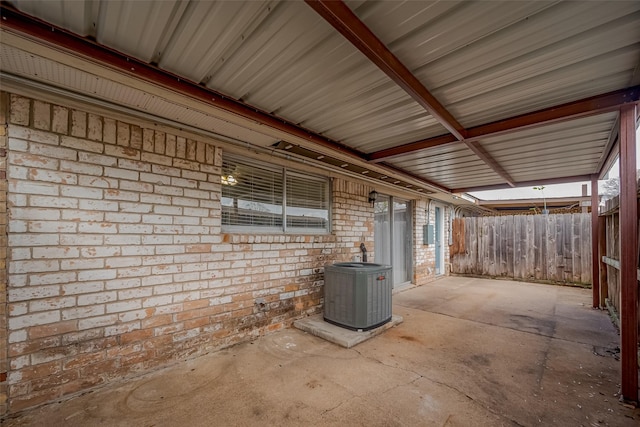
357, 295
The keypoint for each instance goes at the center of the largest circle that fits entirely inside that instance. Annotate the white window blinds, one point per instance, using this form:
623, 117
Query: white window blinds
253, 197
307, 203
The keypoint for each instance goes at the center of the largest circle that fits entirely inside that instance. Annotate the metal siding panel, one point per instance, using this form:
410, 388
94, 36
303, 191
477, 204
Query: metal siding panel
538, 33
312, 76
137, 28
548, 150
78, 16
581, 52
477, 181
205, 32
553, 88
274, 51
579, 129
439, 161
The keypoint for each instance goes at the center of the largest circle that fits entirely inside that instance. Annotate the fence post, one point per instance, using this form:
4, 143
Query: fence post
595, 276
602, 251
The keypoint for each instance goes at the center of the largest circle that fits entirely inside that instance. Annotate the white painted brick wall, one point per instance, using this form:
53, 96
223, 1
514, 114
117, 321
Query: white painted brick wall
114, 238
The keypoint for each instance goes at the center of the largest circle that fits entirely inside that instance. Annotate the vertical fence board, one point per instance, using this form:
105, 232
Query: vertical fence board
531, 248
508, 233
540, 247
520, 249
552, 258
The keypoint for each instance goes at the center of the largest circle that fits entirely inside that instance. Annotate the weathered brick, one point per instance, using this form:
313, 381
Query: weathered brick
90, 275
60, 122
52, 354
20, 109
109, 131
97, 322
136, 137
123, 134
33, 345
145, 275
53, 329
135, 336
156, 158
81, 144
41, 115
51, 304
53, 151
97, 298
97, 159
123, 283
25, 187
51, 278
122, 152
53, 202
159, 142
34, 319
81, 360
80, 192
78, 123
32, 266
82, 264
94, 127
170, 148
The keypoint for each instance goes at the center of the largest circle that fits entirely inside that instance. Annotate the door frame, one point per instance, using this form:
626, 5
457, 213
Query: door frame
439, 217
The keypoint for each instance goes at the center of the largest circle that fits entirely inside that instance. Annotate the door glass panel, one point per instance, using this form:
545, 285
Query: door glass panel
438, 240
401, 250
393, 242
382, 231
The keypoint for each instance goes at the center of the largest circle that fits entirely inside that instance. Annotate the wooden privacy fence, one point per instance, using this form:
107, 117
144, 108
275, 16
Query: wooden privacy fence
554, 248
609, 251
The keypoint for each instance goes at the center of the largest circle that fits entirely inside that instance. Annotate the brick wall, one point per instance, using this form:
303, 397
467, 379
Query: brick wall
352, 219
4, 363
117, 263
423, 268
425, 255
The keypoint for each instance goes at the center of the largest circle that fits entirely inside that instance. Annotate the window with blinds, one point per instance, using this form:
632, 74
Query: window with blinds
261, 198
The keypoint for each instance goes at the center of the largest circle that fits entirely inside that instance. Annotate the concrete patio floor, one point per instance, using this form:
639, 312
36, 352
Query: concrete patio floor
470, 352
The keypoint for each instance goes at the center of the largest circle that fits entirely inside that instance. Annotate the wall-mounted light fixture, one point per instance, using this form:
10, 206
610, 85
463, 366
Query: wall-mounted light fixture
373, 196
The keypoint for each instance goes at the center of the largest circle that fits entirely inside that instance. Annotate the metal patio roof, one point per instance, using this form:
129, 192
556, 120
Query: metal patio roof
440, 96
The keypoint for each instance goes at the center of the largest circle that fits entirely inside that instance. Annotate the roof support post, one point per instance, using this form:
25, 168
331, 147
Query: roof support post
595, 264
628, 254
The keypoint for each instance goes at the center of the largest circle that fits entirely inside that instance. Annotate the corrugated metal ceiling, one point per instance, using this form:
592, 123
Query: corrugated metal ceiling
484, 61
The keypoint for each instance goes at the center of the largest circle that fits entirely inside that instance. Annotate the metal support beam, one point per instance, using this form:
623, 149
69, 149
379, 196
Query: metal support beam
595, 233
604, 103
606, 160
389, 153
563, 180
479, 151
628, 254
342, 18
